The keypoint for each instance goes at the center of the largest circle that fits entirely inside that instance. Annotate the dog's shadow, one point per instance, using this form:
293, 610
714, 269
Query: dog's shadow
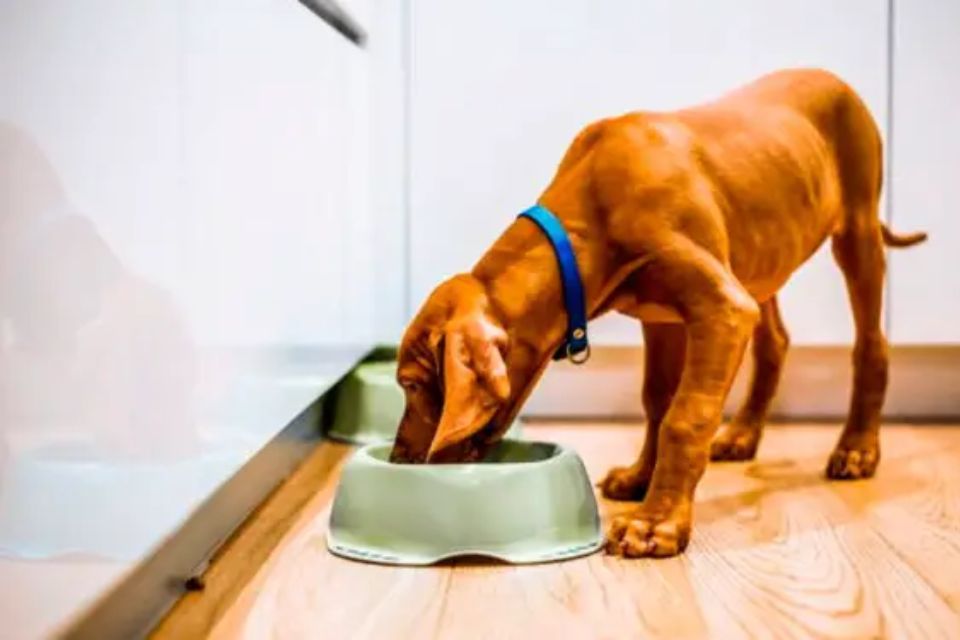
791, 488
794, 491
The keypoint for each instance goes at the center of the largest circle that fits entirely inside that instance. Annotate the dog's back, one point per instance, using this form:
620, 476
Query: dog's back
791, 156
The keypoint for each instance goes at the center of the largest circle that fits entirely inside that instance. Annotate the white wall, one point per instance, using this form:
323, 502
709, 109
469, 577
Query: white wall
500, 88
925, 281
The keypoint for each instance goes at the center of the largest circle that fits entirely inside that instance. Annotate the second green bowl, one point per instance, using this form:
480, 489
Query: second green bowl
369, 404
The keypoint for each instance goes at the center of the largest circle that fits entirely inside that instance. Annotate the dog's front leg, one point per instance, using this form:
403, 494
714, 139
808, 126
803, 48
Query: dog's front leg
719, 316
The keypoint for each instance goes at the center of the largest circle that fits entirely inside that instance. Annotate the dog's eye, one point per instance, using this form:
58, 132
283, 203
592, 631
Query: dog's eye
410, 386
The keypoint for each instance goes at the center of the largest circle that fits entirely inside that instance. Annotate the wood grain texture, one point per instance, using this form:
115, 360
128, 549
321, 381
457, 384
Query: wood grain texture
777, 551
238, 562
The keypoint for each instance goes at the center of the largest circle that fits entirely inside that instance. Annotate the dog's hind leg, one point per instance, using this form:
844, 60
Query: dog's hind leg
738, 440
664, 346
859, 251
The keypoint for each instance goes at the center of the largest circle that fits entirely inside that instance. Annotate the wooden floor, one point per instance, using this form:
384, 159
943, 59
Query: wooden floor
777, 551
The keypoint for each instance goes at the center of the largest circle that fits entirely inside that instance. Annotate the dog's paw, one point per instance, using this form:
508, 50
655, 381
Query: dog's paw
646, 533
625, 483
735, 443
853, 463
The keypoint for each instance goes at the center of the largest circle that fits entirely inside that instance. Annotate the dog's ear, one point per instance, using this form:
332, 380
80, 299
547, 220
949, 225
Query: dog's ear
475, 381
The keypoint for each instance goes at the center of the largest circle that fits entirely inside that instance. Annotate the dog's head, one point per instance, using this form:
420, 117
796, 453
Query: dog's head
452, 367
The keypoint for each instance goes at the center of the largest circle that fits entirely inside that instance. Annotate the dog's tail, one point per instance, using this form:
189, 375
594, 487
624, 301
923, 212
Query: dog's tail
892, 239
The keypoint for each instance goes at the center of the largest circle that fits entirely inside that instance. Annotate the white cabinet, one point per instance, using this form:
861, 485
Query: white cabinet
388, 138
183, 206
500, 88
275, 150
925, 285
219, 149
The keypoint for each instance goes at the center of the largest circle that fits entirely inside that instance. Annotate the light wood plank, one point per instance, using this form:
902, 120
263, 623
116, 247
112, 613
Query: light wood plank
777, 552
247, 553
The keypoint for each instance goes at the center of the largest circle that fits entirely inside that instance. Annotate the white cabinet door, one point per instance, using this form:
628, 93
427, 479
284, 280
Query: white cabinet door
386, 52
220, 150
275, 152
500, 88
925, 280
175, 177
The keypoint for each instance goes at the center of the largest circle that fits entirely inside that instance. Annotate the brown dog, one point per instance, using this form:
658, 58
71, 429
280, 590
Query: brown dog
689, 221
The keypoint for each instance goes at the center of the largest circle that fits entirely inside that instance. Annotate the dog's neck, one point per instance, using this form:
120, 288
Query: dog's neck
523, 286
521, 278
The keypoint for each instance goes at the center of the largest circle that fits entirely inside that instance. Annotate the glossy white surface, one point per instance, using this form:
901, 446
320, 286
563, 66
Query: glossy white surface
925, 281
78, 509
186, 262
388, 140
500, 88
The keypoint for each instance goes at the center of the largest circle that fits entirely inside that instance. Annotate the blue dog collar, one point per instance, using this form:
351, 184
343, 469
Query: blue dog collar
573, 297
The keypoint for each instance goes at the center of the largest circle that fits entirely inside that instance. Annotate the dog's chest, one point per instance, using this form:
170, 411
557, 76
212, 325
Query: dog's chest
628, 304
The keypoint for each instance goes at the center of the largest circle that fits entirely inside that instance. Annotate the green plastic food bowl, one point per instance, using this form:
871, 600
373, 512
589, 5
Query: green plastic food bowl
369, 404
527, 502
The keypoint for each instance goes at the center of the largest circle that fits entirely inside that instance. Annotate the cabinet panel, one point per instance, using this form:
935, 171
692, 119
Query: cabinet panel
274, 138
186, 263
925, 285
388, 138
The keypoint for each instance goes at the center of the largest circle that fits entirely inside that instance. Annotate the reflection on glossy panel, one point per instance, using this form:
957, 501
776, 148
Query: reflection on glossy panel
185, 264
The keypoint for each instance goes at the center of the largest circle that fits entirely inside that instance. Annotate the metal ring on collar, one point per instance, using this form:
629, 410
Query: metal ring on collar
580, 357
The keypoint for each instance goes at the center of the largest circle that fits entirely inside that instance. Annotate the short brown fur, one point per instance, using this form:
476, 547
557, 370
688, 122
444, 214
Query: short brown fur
689, 221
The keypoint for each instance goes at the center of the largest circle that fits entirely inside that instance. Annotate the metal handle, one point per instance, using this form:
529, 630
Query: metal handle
337, 17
